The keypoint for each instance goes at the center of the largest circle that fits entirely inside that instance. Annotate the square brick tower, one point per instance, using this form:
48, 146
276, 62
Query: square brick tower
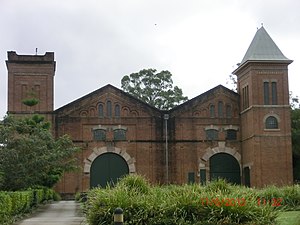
262, 79
30, 76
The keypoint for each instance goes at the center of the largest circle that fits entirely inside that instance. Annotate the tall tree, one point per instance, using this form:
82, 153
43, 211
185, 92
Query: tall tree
153, 88
29, 155
295, 116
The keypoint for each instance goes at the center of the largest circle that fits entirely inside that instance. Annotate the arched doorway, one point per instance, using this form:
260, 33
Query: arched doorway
107, 168
223, 165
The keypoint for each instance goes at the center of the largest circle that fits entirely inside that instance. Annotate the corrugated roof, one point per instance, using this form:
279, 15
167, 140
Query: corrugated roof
263, 48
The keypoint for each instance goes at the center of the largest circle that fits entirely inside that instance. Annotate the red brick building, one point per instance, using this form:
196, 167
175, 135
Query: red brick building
244, 137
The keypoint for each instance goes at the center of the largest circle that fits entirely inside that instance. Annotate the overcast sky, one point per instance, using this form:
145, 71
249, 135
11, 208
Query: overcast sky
97, 42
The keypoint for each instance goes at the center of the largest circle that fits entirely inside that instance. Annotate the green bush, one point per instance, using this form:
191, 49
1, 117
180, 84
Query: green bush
216, 203
21, 201
286, 198
5, 208
14, 204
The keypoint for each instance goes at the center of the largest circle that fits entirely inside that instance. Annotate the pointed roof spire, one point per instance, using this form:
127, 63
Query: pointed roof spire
263, 48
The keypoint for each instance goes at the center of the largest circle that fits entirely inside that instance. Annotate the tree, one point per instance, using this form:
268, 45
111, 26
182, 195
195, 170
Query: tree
30, 156
295, 123
153, 88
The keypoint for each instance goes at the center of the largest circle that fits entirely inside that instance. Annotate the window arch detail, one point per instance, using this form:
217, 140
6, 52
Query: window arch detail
117, 111
271, 122
212, 111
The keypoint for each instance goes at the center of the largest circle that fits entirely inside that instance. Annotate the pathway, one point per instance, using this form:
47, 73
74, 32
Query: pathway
57, 213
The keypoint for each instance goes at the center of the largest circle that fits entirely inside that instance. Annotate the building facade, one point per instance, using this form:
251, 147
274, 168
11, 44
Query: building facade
244, 137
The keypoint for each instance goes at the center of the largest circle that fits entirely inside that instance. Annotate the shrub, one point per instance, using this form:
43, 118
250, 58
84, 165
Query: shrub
217, 203
5, 208
134, 183
14, 204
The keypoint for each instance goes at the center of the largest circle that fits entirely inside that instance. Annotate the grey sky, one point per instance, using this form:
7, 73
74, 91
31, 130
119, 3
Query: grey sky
97, 42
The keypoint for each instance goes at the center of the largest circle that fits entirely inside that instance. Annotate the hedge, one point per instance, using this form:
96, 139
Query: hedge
216, 203
14, 204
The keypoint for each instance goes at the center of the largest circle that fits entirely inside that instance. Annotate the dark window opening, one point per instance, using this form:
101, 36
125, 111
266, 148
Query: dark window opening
108, 105
100, 110
99, 135
117, 111
220, 109
212, 134
212, 111
271, 123
120, 135
228, 111
191, 177
266, 93
231, 134
274, 93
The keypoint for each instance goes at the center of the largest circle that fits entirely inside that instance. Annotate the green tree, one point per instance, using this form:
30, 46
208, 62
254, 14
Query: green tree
30, 156
295, 119
153, 88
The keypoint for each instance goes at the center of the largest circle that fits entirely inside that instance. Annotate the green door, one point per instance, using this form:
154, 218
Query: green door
223, 165
107, 169
247, 176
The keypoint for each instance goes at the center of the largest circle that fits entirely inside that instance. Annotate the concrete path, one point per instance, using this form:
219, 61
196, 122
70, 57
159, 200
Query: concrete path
57, 213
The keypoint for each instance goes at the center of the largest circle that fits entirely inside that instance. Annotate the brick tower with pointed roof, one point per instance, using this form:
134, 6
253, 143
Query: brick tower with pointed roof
262, 79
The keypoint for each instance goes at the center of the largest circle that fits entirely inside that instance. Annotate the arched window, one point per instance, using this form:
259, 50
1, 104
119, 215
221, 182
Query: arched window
228, 111
212, 111
220, 109
108, 108
100, 110
271, 123
117, 111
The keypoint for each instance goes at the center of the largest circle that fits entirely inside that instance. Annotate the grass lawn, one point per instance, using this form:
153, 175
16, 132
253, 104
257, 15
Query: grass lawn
289, 218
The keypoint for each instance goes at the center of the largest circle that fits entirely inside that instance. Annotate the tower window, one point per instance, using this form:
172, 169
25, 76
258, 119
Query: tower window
271, 123
274, 93
245, 97
212, 111
266, 93
211, 134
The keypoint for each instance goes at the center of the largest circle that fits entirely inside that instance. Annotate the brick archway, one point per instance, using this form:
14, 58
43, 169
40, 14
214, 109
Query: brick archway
221, 148
99, 151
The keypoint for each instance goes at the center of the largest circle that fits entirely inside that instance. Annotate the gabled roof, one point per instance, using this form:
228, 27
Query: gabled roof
263, 48
203, 97
75, 103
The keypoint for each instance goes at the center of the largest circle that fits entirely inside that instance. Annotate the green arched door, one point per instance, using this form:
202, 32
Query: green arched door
107, 169
223, 165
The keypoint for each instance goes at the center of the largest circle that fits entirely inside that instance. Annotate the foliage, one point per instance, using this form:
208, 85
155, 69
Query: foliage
30, 156
14, 204
31, 99
232, 82
295, 123
153, 88
288, 218
216, 203
30, 102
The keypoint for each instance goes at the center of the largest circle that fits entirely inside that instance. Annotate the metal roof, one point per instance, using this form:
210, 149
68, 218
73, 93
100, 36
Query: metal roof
263, 48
